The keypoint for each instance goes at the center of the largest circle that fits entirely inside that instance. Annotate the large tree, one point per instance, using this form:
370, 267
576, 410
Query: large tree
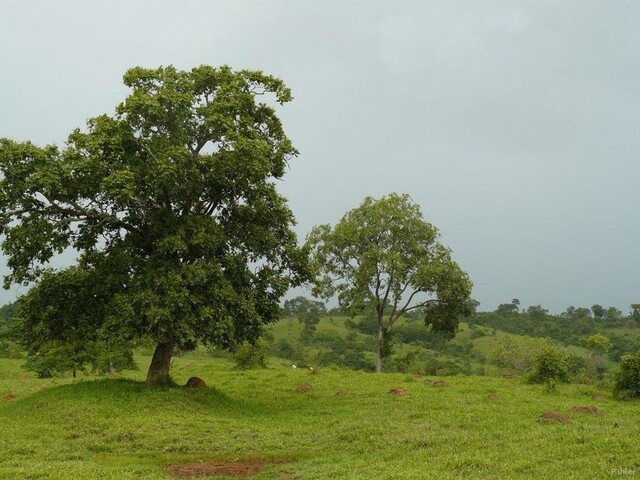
172, 207
385, 257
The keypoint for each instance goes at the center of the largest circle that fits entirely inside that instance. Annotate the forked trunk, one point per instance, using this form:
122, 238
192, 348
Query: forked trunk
160, 363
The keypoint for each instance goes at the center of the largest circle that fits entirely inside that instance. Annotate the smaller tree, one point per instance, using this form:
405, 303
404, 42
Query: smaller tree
635, 312
598, 346
507, 309
249, 356
598, 311
613, 313
550, 366
537, 312
628, 377
385, 257
308, 312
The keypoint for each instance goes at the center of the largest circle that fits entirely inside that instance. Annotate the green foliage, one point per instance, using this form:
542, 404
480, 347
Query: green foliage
627, 380
598, 311
507, 309
520, 354
90, 357
10, 336
550, 366
307, 312
445, 366
538, 322
60, 327
172, 205
383, 256
249, 356
597, 343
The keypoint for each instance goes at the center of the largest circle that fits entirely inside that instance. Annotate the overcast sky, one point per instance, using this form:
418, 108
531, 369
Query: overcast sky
515, 125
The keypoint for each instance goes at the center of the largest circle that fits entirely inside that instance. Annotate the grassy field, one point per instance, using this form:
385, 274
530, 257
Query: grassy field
346, 425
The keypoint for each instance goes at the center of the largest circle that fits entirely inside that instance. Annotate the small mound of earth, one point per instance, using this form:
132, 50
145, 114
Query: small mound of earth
597, 396
241, 469
553, 417
441, 383
303, 388
401, 392
9, 396
195, 382
590, 409
493, 397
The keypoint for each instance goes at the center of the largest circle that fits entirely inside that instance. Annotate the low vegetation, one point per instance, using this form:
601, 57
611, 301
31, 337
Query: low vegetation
342, 424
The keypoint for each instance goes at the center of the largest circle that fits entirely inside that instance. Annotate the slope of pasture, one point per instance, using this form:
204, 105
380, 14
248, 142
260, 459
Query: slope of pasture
342, 424
483, 340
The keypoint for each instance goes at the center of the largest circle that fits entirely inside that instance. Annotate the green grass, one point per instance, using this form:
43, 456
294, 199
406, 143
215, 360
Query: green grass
119, 429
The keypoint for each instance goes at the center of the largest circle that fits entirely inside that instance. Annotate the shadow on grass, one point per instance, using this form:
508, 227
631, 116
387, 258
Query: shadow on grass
118, 395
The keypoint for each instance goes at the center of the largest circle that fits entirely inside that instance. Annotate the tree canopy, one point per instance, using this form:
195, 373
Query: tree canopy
172, 207
384, 256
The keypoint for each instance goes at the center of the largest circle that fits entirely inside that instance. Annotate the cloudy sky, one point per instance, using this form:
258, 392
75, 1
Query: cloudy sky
515, 125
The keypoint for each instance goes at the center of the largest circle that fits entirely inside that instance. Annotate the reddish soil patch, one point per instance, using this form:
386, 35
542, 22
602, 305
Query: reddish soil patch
441, 383
9, 396
590, 409
303, 388
401, 392
217, 469
493, 397
597, 396
553, 417
195, 382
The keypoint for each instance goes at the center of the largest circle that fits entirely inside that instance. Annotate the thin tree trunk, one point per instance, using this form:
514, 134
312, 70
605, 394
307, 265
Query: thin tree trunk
380, 346
160, 363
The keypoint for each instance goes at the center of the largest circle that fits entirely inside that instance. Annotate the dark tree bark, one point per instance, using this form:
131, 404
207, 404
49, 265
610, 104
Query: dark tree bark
160, 363
380, 347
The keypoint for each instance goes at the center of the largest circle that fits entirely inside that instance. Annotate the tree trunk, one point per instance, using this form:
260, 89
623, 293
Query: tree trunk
160, 363
380, 346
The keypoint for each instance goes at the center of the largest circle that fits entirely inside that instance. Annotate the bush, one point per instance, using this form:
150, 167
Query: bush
627, 383
248, 356
550, 366
9, 349
518, 354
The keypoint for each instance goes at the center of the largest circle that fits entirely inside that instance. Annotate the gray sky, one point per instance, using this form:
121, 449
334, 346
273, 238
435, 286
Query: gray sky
515, 125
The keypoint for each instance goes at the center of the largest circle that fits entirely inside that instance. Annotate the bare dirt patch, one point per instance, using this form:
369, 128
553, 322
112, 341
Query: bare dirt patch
239, 469
589, 409
303, 388
401, 392
493, 397
9, 396
553, 417
341, 393
597, 396
441, 383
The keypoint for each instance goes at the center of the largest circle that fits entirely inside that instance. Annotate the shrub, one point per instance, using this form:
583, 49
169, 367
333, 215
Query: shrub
627, 383
518, 354
248, 356
550, 366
